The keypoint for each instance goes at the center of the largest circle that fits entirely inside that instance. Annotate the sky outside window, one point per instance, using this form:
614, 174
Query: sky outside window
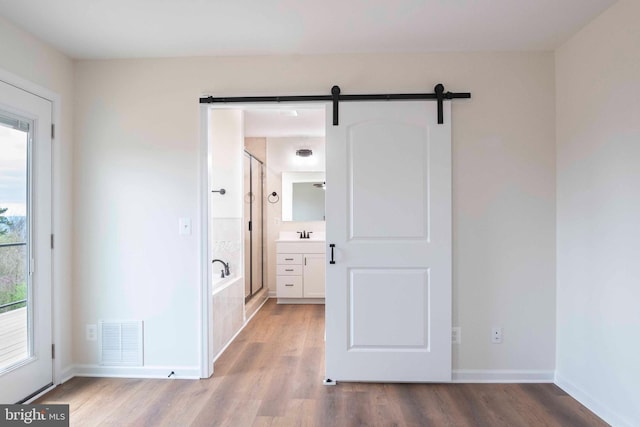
13, 171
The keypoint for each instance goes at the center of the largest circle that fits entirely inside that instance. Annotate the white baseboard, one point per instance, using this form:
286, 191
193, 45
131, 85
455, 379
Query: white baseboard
501, 376
300, 300
65, 375
591, 403
256, 311
181, 372
159, 372
246, 322
273, 294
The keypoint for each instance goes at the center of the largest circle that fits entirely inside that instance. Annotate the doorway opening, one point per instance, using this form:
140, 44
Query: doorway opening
388, 216
249, 150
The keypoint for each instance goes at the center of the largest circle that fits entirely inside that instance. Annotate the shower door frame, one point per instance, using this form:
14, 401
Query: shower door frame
253, 292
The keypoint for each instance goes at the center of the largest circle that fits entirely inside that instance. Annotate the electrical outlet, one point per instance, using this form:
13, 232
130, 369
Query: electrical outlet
456, 335
496, 335
184, 226
92, 332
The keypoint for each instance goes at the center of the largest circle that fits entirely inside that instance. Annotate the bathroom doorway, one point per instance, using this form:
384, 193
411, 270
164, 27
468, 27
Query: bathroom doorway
242, 187
370, 149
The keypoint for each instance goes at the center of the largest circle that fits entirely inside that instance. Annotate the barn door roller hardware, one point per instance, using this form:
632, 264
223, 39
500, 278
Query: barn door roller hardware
336, 97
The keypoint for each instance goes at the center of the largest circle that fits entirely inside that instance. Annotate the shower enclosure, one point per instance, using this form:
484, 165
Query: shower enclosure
254, 225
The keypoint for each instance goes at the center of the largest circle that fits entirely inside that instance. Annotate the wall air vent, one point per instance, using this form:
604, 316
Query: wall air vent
121, 343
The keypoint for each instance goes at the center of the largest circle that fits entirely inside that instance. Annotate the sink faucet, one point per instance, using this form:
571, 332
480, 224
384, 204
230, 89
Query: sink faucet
305, 234
226, 271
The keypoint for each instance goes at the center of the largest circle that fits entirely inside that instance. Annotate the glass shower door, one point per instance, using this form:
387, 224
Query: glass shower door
257, 223
247, 226
254, 225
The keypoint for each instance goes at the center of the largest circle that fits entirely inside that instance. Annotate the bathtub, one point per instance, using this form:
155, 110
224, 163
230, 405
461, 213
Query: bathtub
218, 284
227, 311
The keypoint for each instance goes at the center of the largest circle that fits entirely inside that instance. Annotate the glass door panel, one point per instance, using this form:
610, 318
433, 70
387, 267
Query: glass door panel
256, 226
247, 222
15, 343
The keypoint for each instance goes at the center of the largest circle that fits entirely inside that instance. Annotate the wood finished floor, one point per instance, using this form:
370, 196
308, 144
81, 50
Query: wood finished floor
272, 376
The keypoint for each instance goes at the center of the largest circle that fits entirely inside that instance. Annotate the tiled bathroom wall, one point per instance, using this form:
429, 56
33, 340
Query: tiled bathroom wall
228, 292
226, 245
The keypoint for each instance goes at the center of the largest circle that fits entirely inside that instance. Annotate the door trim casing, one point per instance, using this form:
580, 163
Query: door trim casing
60, 373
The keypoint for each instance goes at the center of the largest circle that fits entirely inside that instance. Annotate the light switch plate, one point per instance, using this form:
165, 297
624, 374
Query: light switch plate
456, 335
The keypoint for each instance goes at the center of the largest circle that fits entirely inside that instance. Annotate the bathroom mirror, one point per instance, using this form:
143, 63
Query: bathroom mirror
303, 196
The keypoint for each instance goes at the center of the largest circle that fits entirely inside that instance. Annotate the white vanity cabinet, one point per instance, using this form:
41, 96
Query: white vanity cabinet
289, 275
313, 276
300, 272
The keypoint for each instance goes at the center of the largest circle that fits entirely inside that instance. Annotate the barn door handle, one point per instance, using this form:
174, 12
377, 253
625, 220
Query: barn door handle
332, 260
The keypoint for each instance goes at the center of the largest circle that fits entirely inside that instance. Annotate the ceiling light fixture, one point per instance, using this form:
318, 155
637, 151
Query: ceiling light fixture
304, 152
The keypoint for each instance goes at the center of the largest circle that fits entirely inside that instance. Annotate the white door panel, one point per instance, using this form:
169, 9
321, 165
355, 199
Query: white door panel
388, 320
388, 204
370, 190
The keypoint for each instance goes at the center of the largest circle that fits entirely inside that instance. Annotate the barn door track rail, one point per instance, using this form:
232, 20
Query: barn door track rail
336, 97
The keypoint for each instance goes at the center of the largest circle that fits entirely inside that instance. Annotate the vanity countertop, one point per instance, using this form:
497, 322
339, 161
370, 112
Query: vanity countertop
293, 237
299, 240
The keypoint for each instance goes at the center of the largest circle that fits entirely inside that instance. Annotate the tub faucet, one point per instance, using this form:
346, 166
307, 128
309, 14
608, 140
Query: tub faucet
223, 273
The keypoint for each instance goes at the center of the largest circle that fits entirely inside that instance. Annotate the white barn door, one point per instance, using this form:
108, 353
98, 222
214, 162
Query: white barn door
388, 211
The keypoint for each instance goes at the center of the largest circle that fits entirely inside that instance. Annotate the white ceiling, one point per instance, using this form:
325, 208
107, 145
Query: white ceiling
165, 28
272, 122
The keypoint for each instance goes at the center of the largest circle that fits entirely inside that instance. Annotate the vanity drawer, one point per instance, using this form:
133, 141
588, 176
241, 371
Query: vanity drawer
289, 286
289, 270
289, 259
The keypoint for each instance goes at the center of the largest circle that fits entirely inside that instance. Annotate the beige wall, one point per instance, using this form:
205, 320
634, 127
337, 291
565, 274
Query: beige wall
257, 146
598, 157
28, 58
136, 169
